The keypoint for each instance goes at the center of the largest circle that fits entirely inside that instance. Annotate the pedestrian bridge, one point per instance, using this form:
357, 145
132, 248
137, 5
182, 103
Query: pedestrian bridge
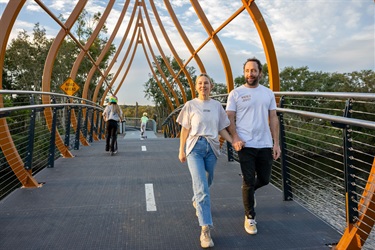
59, 189
80, 197
140, 198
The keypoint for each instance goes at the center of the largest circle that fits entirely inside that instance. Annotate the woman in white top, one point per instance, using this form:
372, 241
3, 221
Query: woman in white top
112, 115
202, 120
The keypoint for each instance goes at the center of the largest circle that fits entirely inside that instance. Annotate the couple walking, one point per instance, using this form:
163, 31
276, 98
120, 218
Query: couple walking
250, 123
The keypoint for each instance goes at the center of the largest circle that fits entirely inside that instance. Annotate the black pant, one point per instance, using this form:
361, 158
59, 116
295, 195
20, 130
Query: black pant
254, 162
111, 132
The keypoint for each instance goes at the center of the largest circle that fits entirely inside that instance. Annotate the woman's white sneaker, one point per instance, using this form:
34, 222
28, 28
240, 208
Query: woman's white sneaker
206, 240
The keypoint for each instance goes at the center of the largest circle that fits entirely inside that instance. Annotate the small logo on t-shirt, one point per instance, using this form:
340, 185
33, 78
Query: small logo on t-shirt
206, 110
246, 98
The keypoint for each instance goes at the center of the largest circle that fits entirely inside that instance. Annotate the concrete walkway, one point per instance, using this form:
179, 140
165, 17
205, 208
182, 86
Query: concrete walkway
140, 198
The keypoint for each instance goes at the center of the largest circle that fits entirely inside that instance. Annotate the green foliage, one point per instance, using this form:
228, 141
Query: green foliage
25, 58
219, 89
154, 93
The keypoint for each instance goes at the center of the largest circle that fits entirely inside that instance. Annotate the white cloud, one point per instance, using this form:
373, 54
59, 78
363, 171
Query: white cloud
179, 3
32, 6
60, 5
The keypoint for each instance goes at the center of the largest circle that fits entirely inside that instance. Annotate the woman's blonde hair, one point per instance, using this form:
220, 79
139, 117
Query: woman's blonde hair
116, 108
206, 75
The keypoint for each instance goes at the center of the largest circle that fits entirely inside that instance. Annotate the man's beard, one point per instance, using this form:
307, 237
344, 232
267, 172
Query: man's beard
254, 82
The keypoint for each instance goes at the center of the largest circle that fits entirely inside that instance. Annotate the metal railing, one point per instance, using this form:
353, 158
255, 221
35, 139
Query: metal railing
327, 139
327, 163
35, 133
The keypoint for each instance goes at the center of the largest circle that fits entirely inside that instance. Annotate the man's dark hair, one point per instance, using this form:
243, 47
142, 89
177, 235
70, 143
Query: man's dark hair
253, 60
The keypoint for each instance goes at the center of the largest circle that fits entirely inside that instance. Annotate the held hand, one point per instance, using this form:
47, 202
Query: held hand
237, 143
182, 156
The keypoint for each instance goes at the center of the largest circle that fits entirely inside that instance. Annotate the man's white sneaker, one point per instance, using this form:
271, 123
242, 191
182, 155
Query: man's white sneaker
250, 226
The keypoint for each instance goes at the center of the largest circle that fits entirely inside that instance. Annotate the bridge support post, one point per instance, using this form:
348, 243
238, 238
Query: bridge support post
67, 126
350, 189
76, 140
351, 197
52, 147
92, 124
230, 151
96, 118
85, 123
101, 126
352, 236
30, 146
287, 184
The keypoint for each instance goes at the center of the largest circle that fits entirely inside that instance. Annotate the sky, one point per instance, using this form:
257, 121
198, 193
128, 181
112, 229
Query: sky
323, 35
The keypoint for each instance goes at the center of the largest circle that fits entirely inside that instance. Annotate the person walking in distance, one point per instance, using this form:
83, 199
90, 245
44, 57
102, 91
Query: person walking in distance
254, 127
144, 120
112, 115
202, 120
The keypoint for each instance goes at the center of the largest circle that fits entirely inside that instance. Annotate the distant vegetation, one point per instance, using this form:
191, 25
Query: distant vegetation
291, 79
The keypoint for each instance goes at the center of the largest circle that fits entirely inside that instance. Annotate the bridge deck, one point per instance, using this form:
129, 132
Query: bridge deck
95, 201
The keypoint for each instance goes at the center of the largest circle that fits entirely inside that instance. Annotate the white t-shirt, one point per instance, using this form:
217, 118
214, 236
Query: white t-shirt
203, 118
110, 114
252, 107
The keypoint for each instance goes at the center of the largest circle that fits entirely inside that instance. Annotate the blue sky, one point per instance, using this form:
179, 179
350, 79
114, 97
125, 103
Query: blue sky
324, 35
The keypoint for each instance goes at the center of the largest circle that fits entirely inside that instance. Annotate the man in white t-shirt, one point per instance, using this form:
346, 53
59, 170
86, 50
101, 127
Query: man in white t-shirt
254, 127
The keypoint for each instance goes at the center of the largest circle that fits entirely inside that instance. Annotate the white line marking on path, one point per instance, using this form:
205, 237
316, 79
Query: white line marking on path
144, 148
150, 198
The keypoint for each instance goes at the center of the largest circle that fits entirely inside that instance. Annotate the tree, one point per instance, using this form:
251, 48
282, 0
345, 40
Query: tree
24, 64
25, 58
154, 93
84, 29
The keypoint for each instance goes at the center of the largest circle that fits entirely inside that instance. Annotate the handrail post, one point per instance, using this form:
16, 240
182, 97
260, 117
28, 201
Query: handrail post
52, 148
350, 186
171, 129
177, 129
101, 127
92, 124
78, 130
85, 123
67, 126
154, 126
165, 131
97, 131
174, 127
230, 151
30, 146
287, 185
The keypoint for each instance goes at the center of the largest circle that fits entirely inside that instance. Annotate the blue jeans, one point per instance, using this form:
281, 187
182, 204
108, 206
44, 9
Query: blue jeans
201, 161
